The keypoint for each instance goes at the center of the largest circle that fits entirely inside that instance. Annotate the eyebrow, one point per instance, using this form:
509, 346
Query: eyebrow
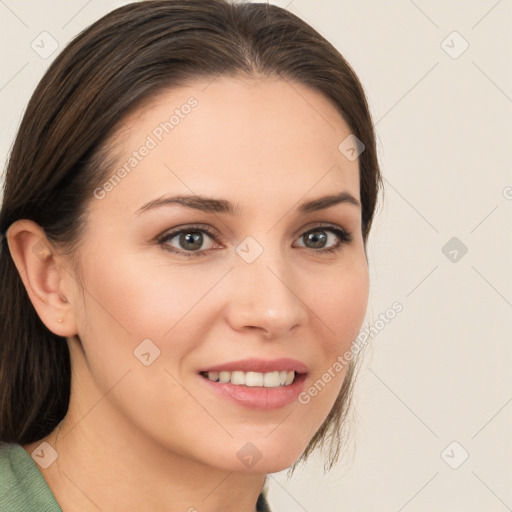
210, 205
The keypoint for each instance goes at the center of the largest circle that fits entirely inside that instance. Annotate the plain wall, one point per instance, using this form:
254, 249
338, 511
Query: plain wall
435, 386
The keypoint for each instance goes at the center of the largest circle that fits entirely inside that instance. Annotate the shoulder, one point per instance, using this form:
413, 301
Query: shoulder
22, 485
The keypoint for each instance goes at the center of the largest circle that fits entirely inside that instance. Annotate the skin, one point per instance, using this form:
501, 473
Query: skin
155, 436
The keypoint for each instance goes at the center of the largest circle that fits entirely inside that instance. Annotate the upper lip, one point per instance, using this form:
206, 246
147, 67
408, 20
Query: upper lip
259, 365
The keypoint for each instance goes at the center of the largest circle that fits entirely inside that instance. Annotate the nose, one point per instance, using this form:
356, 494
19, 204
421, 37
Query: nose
265, 296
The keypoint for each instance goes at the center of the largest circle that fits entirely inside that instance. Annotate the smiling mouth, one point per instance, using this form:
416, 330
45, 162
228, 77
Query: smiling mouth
273, 379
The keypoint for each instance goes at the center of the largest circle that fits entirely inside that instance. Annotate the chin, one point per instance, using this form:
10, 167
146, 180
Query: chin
274, 466
265, 456
265, 465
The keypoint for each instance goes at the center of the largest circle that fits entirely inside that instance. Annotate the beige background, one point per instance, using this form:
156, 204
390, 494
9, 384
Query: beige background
439, 372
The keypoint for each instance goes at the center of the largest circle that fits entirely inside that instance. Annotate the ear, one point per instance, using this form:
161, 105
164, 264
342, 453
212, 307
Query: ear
48, 283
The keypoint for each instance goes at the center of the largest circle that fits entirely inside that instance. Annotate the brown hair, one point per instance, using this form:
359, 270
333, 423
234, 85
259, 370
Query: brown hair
57, 160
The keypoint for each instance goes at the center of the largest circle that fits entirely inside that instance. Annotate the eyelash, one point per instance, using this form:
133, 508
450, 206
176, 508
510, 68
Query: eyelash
344, 237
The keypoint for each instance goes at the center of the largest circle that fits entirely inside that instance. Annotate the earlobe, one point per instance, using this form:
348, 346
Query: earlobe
44, 277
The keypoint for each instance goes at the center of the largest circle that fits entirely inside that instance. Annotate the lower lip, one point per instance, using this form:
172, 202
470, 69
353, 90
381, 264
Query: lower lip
257, 397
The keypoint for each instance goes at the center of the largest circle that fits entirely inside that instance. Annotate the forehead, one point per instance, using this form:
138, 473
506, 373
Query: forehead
236, 137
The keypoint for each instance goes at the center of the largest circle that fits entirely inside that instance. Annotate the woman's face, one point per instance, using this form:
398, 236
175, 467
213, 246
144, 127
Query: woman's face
241, 280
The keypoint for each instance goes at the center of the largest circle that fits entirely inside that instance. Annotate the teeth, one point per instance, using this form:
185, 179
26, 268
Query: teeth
213, 376
272, 379
223, 376
237, 378
251, 379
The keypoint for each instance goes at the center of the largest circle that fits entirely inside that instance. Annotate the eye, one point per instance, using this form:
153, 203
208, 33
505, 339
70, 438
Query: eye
189, 241
325, 239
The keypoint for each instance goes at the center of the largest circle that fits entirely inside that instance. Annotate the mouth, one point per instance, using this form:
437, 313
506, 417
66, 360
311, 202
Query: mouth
253, 379
258, 384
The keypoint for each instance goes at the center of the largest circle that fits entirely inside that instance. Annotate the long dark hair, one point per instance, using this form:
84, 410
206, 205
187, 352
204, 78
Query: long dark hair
59, 157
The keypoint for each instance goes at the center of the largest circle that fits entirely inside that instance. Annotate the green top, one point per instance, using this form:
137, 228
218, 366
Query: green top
22, 486
24, 489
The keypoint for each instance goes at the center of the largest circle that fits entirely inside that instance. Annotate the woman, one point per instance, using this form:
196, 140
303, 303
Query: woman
183, 268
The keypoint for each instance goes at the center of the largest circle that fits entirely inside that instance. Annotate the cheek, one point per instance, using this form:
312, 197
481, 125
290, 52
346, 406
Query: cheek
341, 308
127, 302
137, 300
342, 305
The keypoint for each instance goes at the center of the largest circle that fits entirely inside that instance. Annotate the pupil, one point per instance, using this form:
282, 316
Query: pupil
318, 238
195, 239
